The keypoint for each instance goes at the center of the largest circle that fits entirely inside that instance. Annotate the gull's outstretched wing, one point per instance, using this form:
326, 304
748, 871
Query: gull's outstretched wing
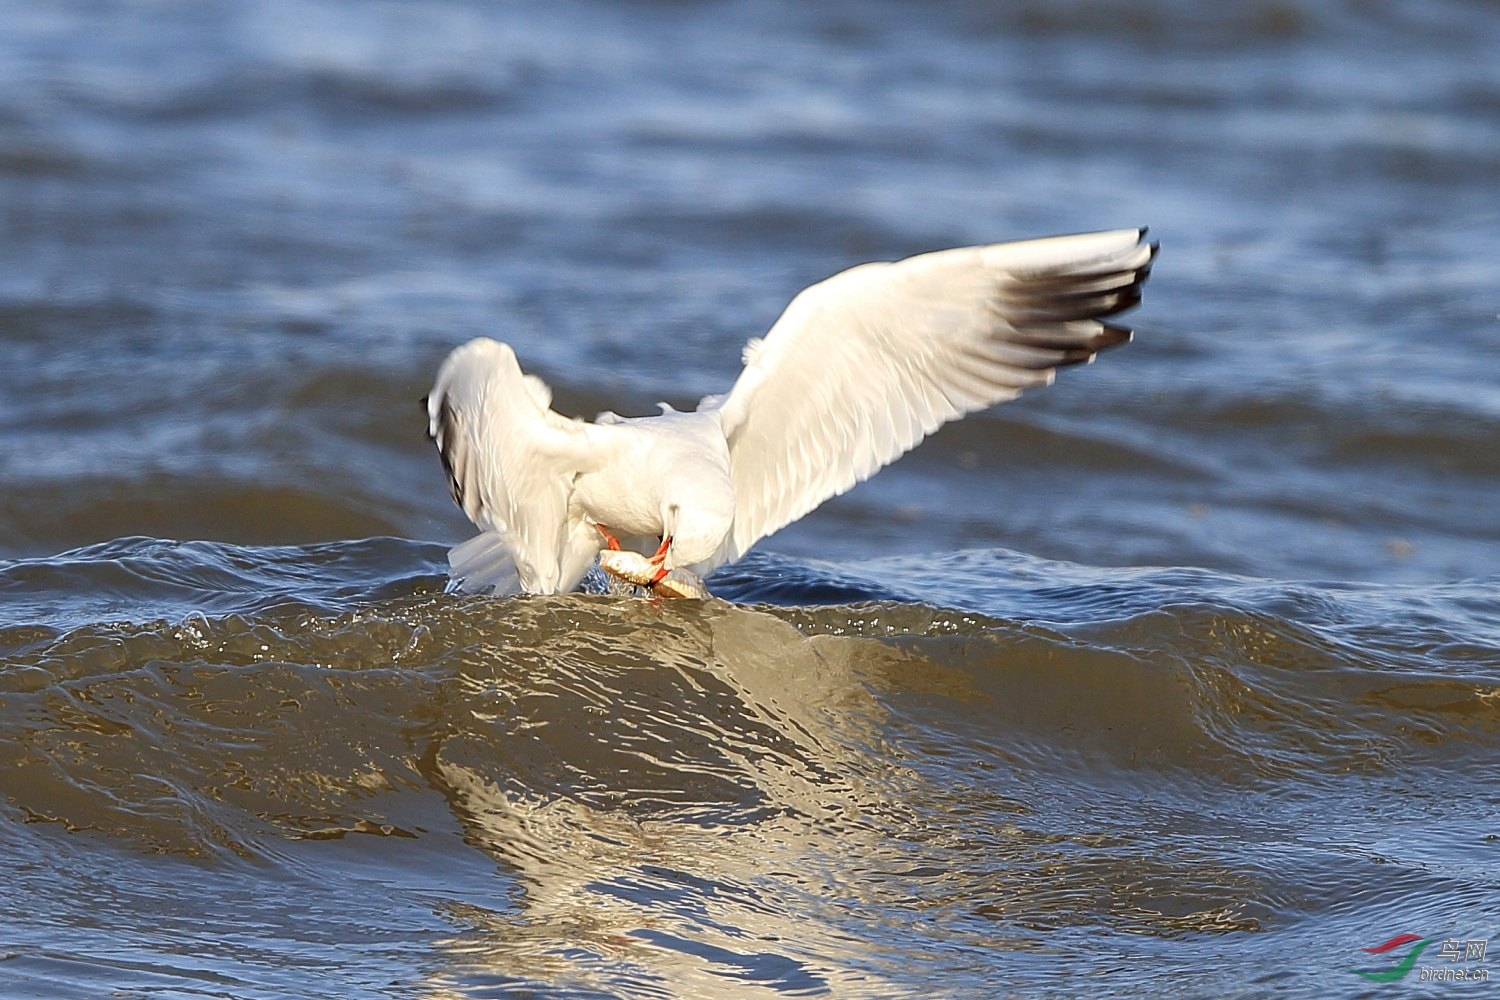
861, 367
511, 462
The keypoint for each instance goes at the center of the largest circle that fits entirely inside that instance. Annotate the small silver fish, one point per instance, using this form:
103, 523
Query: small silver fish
635, 569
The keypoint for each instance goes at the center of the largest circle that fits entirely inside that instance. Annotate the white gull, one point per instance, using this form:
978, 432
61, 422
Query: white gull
856, 372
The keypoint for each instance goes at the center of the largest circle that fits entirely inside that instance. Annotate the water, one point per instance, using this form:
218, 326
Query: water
1179, 678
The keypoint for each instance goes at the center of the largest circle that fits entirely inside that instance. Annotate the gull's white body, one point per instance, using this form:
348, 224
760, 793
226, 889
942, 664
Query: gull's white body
858, 369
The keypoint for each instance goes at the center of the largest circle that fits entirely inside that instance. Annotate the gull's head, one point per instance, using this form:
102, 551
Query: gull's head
696, 531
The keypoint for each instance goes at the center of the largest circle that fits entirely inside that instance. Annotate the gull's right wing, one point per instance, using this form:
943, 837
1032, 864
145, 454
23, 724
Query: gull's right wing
861, 367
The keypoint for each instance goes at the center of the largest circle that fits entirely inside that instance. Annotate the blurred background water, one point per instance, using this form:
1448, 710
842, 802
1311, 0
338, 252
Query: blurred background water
1179, 678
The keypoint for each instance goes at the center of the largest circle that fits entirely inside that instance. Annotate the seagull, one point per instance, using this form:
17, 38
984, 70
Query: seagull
858, 369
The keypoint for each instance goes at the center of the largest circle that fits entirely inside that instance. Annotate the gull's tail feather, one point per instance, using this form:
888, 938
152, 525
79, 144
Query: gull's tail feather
483, 564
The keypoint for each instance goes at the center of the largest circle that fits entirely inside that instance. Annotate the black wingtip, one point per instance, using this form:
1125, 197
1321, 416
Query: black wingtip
1112, 336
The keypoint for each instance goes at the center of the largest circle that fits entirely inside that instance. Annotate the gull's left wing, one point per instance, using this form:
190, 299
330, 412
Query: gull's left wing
511, 462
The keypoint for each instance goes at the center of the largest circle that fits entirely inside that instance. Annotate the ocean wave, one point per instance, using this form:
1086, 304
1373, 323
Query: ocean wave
330, 690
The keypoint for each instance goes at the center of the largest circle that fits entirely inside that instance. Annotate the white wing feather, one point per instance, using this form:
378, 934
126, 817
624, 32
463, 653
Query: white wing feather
511, 462
861, 367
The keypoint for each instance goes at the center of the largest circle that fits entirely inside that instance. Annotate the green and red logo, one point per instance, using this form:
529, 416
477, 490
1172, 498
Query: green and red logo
1460, 960
1404, 966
